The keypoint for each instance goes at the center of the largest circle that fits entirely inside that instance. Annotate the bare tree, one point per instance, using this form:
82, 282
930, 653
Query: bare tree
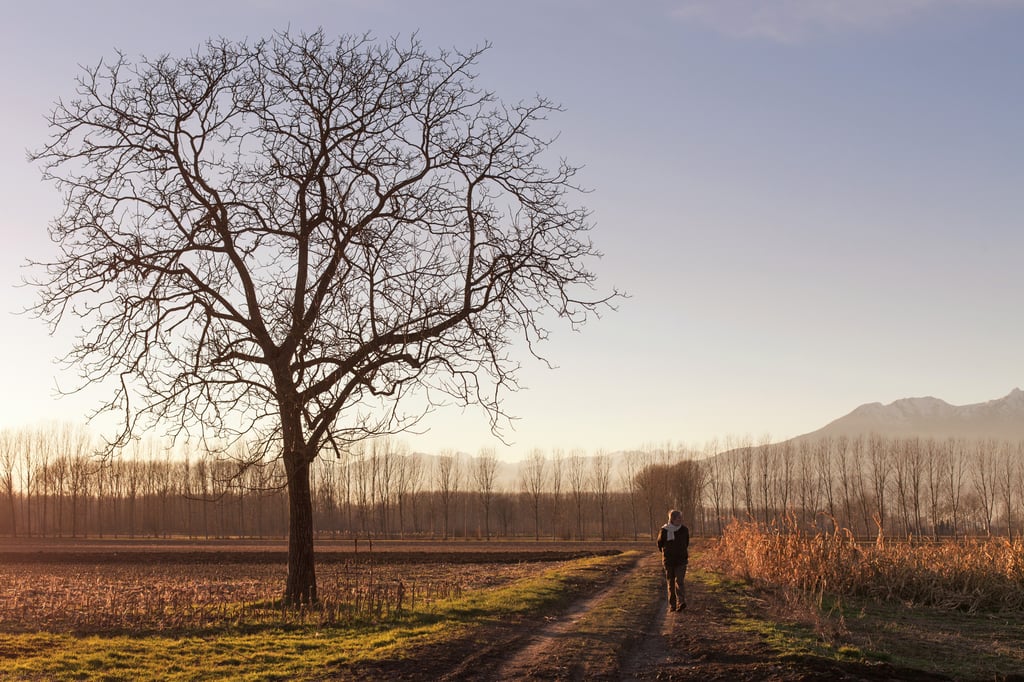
485, 470
577, 474
717, 480
955, 461
785, 466
767, 471
407, 483
532, 480
362, 482
43, 453
1018, 474
733, 473
631, 464
984, 470
861, 492
601, 479
746, 466
385, 459
58, 473
555, 478
823, 456
686, 480
1009, 468
935, 470
447, 477
203, 477
287, 237
325, 492
845, 465
880, 457
28, 443
9, 447
652, 490
77, 450
909, 470
808, 482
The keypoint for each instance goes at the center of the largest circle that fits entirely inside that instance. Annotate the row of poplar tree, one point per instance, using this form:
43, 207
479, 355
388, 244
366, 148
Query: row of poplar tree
55, 484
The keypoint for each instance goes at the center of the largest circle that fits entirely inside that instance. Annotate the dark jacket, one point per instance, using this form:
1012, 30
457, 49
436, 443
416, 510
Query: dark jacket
674, 551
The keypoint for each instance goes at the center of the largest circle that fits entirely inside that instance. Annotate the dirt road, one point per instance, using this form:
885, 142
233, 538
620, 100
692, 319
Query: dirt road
695, 644
700, 643
623, 631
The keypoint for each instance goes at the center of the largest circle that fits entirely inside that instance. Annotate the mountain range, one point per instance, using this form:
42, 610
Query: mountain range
927, 417
1001, 419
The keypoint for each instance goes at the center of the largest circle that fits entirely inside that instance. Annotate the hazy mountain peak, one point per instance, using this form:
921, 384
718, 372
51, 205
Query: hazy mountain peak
1016, 395
928, 416
925, 406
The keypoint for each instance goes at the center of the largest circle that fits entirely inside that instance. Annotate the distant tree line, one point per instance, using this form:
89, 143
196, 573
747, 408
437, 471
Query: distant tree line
898, 487
53, 484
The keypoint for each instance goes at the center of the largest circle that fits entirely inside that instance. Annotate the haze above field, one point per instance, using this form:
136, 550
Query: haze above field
813, 205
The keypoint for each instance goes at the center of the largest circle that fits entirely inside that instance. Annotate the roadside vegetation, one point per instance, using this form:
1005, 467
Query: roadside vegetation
948, 608
236, 636
974, 575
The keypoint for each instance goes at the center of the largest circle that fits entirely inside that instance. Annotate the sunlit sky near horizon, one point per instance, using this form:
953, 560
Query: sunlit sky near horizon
812, 205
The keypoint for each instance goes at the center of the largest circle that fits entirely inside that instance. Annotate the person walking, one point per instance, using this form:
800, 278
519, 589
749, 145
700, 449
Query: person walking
674, 543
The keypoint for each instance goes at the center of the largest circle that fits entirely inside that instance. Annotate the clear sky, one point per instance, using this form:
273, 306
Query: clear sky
813, 203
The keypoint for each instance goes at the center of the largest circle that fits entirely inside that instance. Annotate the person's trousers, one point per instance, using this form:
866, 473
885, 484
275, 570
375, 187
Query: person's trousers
674, 574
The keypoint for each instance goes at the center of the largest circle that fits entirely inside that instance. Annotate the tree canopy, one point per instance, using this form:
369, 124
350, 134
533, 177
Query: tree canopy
289, 236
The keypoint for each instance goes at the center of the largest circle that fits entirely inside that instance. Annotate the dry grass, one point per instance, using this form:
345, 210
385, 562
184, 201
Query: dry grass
975, 575
167, 597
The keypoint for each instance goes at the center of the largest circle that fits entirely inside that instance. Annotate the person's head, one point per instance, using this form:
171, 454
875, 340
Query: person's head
675, 517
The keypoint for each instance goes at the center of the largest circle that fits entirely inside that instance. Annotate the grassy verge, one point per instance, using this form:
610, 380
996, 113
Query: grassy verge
960, 645
798, 636
933, 641
277, 653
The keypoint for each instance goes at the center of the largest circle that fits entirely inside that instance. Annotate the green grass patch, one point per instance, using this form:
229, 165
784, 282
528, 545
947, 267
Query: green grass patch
959, 645
792, 639
294, 653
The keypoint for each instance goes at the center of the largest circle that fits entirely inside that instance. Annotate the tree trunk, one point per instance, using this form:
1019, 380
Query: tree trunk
14, 525
301, 586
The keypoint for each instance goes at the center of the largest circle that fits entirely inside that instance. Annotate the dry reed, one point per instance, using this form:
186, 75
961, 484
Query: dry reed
973, 575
